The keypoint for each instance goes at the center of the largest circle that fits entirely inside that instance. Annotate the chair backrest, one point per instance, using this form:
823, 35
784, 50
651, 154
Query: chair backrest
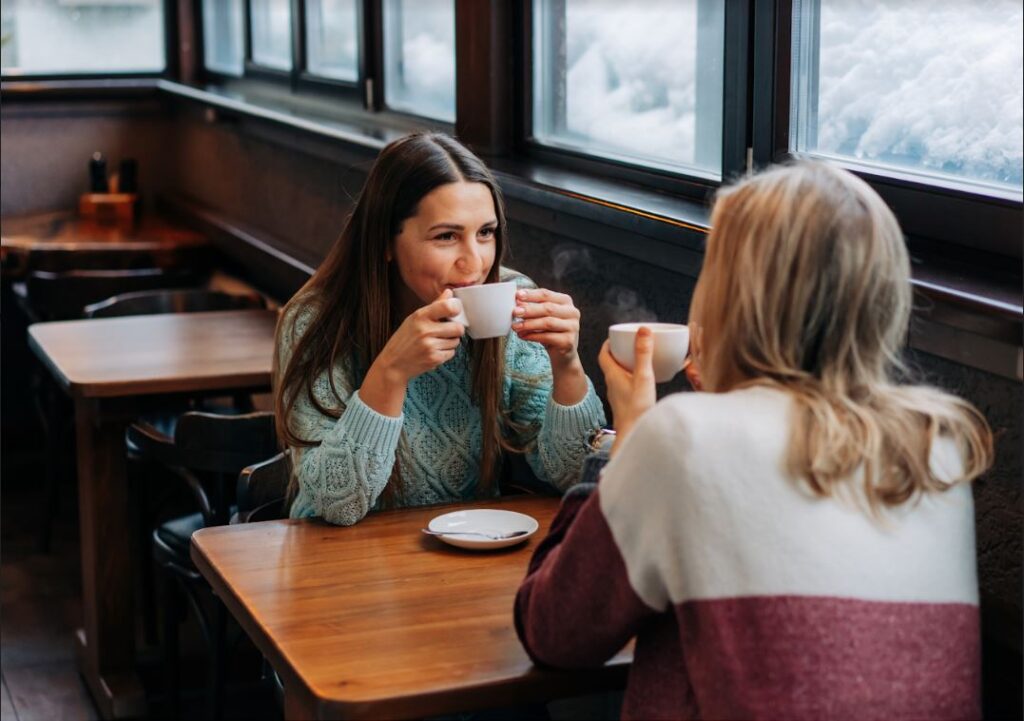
262, 488
216, 443
180, 300
62, 296
62, 260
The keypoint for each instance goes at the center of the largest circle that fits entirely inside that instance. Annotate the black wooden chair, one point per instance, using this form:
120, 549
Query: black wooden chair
261, 491
262, 495
207, 453
180, 300
48, 295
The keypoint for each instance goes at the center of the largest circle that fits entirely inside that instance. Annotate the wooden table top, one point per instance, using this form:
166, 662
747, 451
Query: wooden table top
157, 354
378, 620
64, 230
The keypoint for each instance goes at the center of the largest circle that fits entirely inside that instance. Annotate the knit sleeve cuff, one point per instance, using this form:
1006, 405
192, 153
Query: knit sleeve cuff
363, 426
575, 421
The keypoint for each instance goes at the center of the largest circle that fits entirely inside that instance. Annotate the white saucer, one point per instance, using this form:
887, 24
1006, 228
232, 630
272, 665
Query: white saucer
484, 520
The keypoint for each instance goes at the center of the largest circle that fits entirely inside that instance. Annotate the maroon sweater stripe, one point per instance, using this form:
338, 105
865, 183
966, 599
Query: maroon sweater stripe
793, 657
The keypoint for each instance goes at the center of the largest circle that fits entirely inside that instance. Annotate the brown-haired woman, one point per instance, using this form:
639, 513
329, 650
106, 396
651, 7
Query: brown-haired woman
381, 398
797, 542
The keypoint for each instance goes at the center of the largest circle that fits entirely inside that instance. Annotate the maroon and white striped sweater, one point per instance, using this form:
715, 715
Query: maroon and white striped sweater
748, 597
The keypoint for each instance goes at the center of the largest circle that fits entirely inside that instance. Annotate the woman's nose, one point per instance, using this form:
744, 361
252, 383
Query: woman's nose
469, 259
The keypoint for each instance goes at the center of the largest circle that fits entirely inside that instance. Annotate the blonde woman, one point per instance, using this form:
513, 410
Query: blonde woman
798, 540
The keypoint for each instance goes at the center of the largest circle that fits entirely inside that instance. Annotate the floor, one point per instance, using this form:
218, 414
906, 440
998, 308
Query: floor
40, 606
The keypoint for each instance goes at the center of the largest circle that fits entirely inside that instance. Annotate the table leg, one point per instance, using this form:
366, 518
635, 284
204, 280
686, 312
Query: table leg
107, 643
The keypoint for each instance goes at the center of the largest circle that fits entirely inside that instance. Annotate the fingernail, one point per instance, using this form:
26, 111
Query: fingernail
520, 294
519, 310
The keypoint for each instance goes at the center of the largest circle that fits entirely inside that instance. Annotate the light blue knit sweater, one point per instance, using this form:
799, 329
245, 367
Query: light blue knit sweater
439, 454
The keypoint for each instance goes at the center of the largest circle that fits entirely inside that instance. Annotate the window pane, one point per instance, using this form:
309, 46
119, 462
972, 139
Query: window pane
59, 37
223, 44
930, 89
638, 82
272, 33
419, 57
332, 32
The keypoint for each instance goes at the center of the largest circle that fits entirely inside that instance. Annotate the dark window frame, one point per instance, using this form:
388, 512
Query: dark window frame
735, 126
366, 93
170, 70
944, 221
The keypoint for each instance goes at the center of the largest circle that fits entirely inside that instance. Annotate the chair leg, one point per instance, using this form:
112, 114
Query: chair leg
172, 617
143, 528
218, 653
54, 426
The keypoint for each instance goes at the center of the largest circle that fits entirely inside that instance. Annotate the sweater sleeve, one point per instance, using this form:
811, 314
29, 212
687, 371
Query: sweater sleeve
342, 476
576, 608
556, 435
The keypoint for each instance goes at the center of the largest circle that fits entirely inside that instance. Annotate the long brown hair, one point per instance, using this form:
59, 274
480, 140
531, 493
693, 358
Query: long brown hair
350, 299
806, 286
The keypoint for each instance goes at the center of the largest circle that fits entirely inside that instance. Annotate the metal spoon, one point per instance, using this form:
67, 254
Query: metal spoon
491, 536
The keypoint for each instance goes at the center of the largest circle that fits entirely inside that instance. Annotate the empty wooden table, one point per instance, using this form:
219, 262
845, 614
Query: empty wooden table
114, 369
378, 620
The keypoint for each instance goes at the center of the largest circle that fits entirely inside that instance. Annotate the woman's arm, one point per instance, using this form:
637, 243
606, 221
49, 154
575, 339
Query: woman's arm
576, 607
560, 432
341, 478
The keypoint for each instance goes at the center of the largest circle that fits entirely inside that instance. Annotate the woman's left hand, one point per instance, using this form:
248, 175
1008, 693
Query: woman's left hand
551, 319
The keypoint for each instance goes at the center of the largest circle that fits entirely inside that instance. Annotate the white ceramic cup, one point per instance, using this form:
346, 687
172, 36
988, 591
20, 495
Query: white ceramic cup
671, 341
487, 309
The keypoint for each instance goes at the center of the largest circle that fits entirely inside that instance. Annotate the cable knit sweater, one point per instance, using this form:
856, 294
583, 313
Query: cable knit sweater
438, 437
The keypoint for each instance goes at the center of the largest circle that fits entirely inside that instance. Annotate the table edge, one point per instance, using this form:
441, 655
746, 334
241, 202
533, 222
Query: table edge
613, 671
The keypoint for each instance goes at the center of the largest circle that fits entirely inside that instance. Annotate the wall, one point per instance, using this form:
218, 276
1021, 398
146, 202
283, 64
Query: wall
47, 146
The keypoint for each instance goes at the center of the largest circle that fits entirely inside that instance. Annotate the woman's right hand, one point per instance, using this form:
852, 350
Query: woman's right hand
630, 393
425, 340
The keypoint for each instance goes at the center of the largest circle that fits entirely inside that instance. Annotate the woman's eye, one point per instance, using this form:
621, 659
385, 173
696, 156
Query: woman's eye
445, 236
487, 232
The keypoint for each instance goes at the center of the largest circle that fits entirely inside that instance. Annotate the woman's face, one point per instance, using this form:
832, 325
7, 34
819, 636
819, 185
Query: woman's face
450, 242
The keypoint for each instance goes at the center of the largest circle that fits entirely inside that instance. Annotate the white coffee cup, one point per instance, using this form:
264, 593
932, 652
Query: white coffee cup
671, 341
487, 309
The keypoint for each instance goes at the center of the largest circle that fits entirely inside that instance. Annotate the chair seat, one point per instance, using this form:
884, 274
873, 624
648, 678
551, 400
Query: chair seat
174, 538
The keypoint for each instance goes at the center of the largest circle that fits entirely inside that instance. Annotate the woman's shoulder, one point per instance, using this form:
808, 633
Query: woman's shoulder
716, 422
296, 317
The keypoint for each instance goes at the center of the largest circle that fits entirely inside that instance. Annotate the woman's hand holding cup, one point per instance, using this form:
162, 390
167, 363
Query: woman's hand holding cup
551, 319
630, 393
424, 340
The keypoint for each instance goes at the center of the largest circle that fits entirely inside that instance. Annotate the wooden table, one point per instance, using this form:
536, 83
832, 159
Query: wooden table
378, 620
114, 369
25, 240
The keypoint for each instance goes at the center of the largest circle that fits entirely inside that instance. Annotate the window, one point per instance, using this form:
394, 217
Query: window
271, 27
635, 82
69, 37
930, 90
332, 39
223, 36
419, 57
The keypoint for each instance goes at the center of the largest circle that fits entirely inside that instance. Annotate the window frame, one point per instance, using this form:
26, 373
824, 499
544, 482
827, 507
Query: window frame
169, 71
735, 125
366, 93
936, 218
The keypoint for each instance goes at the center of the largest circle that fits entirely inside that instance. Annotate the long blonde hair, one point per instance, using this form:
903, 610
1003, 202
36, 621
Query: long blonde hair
806, 287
